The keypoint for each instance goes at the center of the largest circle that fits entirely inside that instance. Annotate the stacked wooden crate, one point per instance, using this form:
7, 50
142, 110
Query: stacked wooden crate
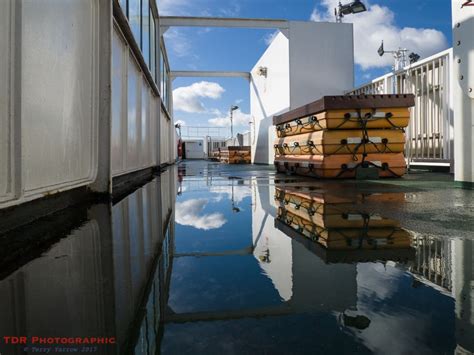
344, 137
340, 222
235, 155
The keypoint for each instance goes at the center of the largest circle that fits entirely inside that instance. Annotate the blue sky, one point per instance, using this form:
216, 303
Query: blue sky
423, 26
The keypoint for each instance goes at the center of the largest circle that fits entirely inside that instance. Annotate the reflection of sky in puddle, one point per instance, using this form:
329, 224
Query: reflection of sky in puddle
269, 292
210, 218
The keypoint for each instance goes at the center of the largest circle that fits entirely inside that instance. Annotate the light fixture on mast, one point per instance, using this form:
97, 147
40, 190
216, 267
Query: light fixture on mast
232, 109
354, 7
400, 56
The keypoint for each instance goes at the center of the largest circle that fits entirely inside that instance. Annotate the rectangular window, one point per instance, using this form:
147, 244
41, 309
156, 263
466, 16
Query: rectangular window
134, 19
145, 45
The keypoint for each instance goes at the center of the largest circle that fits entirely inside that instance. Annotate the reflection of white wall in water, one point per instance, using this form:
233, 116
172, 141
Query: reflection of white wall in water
463, 292
272, 247
298, 275
60, 291
91, 282
315, 60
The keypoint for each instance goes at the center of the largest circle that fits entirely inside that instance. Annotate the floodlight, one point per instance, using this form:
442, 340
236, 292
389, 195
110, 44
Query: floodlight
414, 58
354, 7
381, 50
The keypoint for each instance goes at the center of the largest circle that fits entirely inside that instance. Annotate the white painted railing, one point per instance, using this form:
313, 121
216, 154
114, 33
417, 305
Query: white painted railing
430, 134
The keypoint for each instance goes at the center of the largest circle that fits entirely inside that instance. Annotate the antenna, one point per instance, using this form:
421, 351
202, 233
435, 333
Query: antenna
401, 59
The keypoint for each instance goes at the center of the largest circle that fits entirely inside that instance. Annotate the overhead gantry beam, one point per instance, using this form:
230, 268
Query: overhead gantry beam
209, 74
256, 23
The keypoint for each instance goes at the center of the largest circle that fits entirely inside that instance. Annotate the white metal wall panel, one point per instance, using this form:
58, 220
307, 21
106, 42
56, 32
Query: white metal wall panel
119, 102
5, 87
321, 60
133, 114
145, 125
154, 126
269, 95
59, 75
463, 90
165, 138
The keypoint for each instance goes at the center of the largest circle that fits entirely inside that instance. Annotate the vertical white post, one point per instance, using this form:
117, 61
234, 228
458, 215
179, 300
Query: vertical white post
463, 49
103, 182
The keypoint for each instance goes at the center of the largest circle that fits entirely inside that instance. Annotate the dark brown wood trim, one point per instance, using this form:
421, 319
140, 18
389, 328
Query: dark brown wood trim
343, 102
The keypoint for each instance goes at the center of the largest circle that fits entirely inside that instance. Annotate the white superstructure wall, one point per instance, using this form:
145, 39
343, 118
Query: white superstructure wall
49, 97
463, 91
309, 60
269, 95
84, 96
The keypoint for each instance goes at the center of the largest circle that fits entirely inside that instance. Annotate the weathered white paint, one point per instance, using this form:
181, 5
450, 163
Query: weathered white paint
49, 84
59, 93
195, 149
321, 60
182, 21
209, 74
134, 113
269, 96
300, 69
66, 121
6, 39
463, 90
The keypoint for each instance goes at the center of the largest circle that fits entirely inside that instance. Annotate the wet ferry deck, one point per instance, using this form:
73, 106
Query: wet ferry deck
211, 258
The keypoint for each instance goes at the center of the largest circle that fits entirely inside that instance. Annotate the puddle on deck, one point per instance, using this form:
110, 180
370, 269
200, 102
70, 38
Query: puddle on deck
211, 259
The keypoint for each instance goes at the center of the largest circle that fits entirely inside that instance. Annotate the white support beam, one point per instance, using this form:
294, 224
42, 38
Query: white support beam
209, 74
179, 21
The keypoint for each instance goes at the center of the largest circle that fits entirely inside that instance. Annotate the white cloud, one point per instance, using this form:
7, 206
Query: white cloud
378, 24
239, 118
180, 122
188, 98
188, 214
173, 7
179, 43
268, 38
231, 10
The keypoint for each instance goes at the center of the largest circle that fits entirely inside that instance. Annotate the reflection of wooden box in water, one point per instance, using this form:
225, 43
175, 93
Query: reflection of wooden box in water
340, 212
341, 166
346, 256
347, 238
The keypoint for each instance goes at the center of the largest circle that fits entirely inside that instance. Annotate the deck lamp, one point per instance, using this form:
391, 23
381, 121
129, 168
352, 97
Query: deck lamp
232, 109
354, 7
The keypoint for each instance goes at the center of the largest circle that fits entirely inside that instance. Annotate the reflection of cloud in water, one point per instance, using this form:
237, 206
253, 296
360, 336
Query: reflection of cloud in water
240, 192
188, 214
377, 285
